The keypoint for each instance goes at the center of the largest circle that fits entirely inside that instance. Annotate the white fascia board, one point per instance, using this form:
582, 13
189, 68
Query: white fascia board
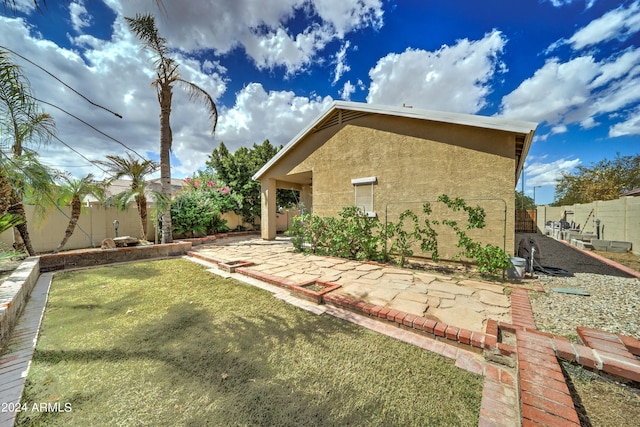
367, 180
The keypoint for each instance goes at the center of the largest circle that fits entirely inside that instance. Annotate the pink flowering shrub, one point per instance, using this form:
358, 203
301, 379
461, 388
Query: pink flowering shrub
196, 210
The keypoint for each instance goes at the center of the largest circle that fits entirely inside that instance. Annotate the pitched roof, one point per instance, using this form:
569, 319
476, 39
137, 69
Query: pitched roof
634, 192
331, 116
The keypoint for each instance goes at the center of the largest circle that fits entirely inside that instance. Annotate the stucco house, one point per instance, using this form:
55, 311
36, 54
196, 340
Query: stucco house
386, 159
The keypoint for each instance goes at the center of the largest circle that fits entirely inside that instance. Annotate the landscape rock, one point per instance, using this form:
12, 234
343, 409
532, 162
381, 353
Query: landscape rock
108, 244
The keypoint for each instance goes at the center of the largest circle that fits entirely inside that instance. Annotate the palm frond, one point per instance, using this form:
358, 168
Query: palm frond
8, 221
196, 93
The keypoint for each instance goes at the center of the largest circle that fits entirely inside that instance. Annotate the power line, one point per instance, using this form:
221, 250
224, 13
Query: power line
91, 126
66, 85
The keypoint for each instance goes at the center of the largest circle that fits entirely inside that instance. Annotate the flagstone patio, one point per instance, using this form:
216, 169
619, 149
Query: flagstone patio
459, 301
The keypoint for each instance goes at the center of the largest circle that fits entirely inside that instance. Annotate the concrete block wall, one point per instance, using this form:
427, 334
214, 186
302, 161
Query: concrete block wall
619, 219
94, 225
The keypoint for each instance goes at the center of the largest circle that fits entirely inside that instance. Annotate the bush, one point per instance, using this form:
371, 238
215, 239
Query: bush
352, 235
196, 210
356, 236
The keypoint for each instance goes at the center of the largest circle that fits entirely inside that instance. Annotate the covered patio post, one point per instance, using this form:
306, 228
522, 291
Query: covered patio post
269, 206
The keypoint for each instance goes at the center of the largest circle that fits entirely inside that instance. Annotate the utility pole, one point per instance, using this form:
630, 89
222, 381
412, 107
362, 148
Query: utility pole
534, 193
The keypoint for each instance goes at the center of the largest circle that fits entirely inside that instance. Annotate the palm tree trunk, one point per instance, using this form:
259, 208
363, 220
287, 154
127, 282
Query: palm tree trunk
17, 208
76, 208
5, 192
165, 94
141, 202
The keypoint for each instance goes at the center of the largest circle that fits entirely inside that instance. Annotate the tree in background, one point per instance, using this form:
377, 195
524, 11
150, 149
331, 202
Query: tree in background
237, 170
166, 69
524, 202
136, 170
72, 191
605, 180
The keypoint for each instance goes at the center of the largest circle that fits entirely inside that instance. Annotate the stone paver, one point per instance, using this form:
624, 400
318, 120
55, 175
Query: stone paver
385, 286
408, 306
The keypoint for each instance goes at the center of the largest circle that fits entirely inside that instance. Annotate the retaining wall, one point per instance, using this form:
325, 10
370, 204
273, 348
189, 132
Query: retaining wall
14, 293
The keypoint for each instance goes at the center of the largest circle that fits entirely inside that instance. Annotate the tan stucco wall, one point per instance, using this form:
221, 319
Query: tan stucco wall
413, 160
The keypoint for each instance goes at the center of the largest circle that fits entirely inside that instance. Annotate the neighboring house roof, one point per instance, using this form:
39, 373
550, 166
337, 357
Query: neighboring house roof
634, 192
333, 116
119, 185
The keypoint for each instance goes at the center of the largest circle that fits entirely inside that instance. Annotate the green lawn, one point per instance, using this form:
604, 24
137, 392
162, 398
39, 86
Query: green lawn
167, 343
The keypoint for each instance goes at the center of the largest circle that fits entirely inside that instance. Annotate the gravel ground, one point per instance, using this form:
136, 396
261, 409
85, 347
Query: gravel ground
613, 304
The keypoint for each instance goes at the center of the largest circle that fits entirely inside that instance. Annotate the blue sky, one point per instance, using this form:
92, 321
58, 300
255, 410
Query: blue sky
571, 66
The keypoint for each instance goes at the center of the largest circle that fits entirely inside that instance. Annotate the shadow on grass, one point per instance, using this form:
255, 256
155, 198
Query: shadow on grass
230, 359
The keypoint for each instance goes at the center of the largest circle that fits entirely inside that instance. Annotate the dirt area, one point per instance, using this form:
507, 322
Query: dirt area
627, 259
602, 401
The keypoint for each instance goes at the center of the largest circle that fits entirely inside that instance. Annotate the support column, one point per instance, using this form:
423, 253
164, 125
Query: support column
269, 206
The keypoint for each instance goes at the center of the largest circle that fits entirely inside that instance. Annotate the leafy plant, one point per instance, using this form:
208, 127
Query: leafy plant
237, 170
356, 236
490, 259
196, 210
352, 235
8, 221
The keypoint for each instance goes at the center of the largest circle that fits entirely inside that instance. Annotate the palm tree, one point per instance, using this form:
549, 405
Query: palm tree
21, 122
132, 168
72, 191
166, 69
27, 177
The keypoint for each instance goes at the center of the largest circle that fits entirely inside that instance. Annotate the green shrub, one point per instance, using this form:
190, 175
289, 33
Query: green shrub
196, 210
354, 235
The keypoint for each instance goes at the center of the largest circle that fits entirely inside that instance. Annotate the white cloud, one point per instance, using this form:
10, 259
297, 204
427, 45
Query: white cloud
559, 129
348, 15
347, 90
341, 62
631, 126
560, 3
577, 91
539, 173
258, 115
261, 30
564, 85
620, 23
453, 78
278, 48
79, 16
24, 6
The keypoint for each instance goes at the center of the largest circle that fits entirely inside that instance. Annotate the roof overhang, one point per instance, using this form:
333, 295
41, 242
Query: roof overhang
522, 130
